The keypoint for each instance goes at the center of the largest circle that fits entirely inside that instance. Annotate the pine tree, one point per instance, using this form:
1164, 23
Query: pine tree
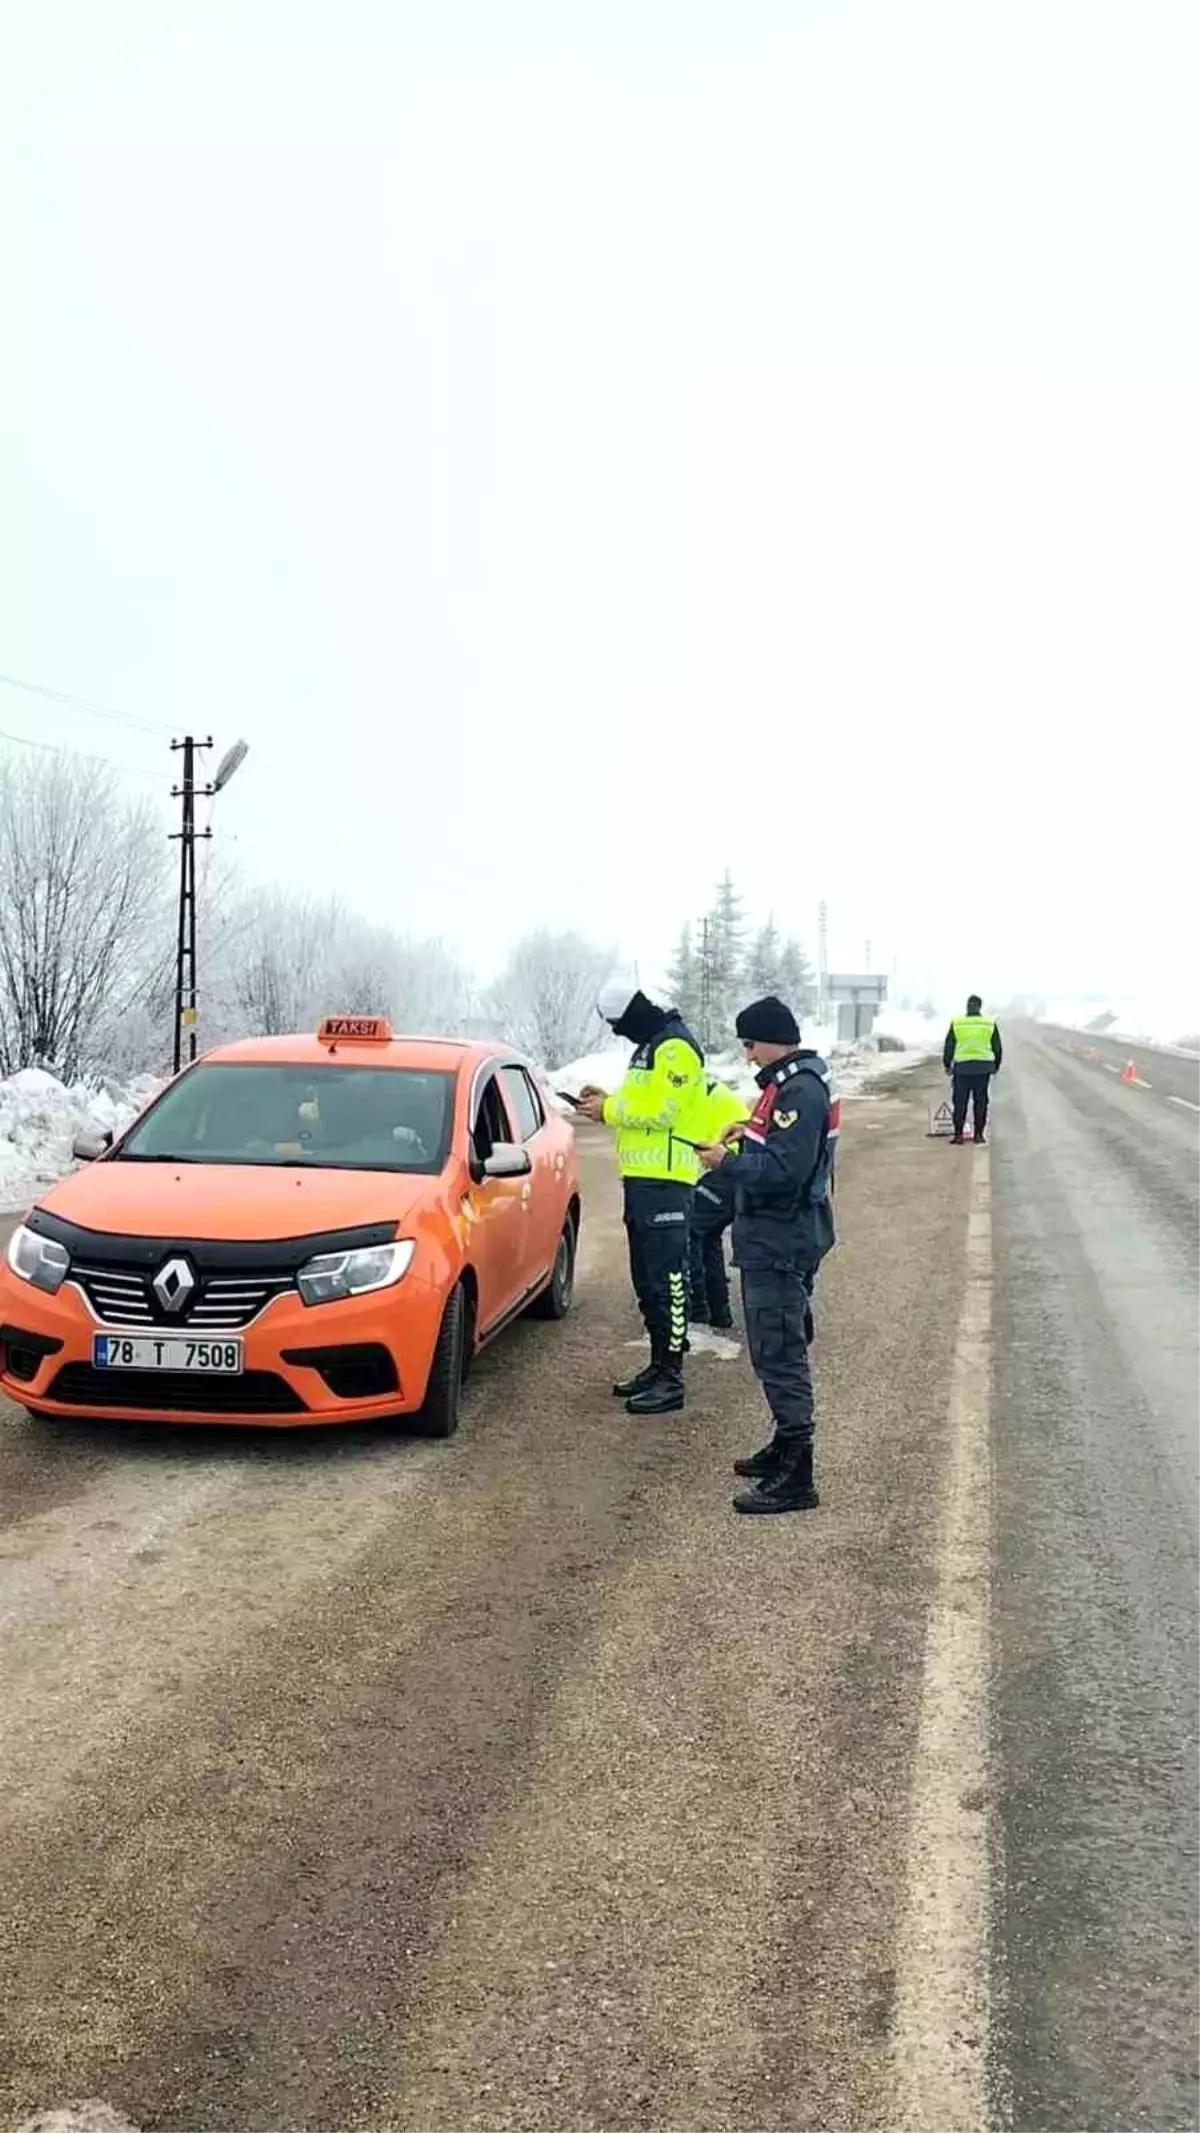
683, 980
722, 964
797, 981
764, 964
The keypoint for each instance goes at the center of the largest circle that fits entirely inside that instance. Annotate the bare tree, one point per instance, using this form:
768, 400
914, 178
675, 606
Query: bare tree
82, 885
287, 961
546, 995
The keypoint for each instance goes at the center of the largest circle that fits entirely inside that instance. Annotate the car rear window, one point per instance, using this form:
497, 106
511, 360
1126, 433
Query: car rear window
323, 1117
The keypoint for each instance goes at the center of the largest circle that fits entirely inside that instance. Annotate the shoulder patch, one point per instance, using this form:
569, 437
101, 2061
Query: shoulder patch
784, 1119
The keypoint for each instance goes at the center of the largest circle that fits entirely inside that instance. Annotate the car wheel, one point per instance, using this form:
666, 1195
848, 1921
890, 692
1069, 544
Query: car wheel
556, 1300
443, 1407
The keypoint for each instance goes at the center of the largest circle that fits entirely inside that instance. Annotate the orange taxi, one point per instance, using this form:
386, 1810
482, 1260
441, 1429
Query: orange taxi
297, 1230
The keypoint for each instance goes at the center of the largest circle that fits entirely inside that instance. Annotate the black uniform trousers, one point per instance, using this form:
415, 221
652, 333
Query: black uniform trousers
776, 1301
657, 1223
971, 1086
712, 1213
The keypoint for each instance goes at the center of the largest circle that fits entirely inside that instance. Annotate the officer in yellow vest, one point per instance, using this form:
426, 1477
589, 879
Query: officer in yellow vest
659, 1117
972, 1054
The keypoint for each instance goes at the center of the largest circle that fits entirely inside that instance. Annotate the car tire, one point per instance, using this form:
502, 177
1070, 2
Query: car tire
555, 1301
444, 1394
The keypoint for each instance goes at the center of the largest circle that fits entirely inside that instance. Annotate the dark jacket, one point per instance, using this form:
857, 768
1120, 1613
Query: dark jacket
972, 1066
781, 1172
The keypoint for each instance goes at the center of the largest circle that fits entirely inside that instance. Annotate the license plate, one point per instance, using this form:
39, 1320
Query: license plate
143, 1351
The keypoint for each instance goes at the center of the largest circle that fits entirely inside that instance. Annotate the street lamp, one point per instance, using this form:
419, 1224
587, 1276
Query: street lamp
187, 833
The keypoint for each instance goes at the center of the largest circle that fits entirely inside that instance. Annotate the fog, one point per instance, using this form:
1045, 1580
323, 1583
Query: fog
585, 449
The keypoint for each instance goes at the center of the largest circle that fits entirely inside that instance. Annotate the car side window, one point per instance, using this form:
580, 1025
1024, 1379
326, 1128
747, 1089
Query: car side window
492, 1122
523, 1101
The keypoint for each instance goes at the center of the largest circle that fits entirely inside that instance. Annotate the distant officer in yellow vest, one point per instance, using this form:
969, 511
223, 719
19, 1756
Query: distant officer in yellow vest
972, 1054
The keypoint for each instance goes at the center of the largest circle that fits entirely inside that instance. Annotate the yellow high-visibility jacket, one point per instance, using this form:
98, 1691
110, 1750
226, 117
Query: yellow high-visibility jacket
660, 1107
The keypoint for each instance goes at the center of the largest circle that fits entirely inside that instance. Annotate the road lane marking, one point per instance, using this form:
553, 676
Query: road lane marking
941, 2019
1108, 1066
1184, 1101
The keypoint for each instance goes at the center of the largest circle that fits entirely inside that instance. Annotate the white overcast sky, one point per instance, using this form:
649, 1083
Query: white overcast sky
583, 447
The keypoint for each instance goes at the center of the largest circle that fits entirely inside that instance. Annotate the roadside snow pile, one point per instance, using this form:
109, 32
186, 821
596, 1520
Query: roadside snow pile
603, 1070
39, 1119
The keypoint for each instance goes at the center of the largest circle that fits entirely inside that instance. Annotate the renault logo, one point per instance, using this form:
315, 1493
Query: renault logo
173, 1285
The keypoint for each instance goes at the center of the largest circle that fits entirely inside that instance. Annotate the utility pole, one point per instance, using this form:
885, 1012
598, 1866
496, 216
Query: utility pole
823, 960
705, 985
185, 946
185, 836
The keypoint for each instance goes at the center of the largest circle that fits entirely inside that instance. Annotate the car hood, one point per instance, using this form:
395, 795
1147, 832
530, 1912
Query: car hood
236, 1202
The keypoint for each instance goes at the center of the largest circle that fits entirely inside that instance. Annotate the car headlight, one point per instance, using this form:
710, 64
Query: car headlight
38, 1260
332, 1275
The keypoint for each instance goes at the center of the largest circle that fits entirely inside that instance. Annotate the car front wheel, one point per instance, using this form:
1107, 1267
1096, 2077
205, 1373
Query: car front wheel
556, 1300
444, 1394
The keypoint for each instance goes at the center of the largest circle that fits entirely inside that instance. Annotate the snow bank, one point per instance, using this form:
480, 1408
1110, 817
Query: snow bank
603, 1070
39, 1119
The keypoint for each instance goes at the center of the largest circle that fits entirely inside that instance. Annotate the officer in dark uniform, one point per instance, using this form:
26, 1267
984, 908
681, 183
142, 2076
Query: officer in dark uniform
783, 1227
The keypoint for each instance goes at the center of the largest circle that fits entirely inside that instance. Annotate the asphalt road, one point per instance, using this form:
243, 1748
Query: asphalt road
1170, 1077
352, 1781
1094, 1709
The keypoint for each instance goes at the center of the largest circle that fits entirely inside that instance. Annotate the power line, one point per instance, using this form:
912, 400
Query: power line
128, 770
87, 704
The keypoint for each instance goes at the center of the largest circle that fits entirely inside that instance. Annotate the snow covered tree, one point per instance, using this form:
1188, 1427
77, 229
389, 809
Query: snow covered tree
546, 995
83, 903
797, 980
764, 963
683, 980
721, 980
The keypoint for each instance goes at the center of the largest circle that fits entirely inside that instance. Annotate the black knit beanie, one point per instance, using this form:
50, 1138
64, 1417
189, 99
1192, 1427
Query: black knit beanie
768, 1021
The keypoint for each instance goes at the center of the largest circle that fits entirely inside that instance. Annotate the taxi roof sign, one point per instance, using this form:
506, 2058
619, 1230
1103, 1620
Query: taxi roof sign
355, 1029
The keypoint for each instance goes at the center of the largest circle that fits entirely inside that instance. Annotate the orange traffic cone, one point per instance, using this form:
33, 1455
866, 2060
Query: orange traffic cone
1129, 1071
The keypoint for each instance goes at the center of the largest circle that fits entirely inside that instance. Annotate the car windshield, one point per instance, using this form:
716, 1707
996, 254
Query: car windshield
326, 1117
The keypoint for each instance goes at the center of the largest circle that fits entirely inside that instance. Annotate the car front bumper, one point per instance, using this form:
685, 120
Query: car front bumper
354, 1361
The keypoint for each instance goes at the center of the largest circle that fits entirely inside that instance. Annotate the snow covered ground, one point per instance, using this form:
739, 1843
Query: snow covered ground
39, 1119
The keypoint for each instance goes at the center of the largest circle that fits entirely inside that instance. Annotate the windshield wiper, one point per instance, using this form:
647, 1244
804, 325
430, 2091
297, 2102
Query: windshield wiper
132, 1156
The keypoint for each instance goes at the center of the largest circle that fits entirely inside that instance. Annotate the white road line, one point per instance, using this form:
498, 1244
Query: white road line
1186, 1105
1108, 1066
940, 2029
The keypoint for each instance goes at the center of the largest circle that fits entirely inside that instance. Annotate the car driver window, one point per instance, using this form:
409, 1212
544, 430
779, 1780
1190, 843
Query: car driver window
491, 1121
523, 1101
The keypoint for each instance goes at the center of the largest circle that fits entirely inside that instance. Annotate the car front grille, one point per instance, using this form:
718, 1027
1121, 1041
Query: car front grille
253, 1392
220, 1303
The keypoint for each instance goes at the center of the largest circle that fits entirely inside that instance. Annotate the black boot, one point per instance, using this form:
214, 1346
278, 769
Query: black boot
789, 1489
637, 1383
662, 1396
767, 1460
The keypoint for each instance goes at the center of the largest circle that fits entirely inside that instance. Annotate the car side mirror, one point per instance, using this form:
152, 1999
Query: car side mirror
86, 1147
508, 1161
